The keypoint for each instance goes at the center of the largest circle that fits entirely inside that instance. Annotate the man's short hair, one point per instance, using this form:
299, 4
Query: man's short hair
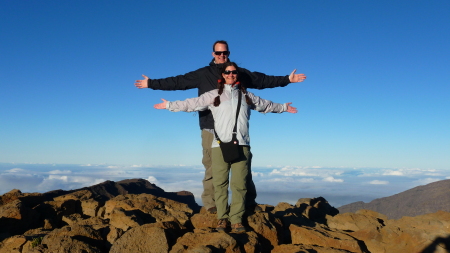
220, 42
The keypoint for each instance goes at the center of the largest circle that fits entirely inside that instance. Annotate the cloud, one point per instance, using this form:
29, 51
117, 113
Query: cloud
257, 174
67, 182
292, 171
288, 180
379, 182
434, 173
306, 172
424, 181
152, 179
61, 178
332, 179
16, 170
393, 173
60, 172
23, 182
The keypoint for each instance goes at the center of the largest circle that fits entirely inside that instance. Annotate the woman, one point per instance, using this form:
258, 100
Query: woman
223, 104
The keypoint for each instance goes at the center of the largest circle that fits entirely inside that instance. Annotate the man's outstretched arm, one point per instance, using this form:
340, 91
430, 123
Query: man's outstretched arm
187, 81
258, 80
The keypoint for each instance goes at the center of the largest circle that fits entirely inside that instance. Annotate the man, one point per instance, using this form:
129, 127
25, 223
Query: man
205, 79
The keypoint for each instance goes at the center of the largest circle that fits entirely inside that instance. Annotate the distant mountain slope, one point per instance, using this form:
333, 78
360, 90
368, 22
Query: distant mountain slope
419, 200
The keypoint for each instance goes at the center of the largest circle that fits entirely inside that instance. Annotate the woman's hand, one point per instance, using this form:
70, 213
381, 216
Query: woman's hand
291, 109
161, 105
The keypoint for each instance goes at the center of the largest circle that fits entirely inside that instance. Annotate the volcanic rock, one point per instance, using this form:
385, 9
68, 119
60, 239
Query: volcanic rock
117, 217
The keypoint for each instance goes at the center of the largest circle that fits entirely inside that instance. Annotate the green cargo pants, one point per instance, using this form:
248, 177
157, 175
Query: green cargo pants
208, 187
237, 182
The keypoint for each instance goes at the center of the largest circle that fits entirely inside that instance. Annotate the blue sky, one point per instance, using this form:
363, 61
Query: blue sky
376, 95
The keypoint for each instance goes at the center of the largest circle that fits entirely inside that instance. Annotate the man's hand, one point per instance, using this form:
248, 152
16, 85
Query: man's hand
291, 109
161, 105
296, 78
142, 83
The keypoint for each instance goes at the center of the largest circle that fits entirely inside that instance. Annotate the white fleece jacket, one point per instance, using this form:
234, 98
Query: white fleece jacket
225, 114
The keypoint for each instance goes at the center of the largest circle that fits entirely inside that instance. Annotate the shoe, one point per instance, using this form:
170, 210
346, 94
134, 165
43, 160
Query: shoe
222, 225
212, 210
238, 228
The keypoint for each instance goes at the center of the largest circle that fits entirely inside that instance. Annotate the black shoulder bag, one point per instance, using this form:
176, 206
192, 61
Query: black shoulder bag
230, 150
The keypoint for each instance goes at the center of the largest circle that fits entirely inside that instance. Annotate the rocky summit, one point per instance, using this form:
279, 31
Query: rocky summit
137, 216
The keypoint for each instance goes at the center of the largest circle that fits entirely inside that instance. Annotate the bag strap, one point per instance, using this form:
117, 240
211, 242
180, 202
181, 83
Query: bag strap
237, 114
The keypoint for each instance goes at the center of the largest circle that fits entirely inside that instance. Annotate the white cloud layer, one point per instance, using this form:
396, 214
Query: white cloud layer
339, 186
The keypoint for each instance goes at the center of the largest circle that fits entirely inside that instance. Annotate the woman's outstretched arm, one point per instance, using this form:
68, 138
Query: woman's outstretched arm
189, 105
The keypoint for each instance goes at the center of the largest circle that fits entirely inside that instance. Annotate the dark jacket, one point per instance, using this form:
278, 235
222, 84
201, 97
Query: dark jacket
205, 79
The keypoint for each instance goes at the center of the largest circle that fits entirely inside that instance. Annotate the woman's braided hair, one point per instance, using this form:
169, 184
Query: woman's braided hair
221, 85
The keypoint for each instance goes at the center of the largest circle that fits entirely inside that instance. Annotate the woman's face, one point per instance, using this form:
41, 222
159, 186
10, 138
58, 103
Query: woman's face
230, 75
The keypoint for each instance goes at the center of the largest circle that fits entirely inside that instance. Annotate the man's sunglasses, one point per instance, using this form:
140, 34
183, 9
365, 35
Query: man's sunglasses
227, 72
221, 52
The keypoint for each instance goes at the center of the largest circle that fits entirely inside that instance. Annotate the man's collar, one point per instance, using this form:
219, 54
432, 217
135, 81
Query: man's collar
213, 63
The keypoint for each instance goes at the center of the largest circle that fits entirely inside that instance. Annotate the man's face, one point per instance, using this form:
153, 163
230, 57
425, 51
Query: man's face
222, 57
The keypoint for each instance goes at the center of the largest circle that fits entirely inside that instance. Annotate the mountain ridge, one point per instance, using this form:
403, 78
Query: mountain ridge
419, 200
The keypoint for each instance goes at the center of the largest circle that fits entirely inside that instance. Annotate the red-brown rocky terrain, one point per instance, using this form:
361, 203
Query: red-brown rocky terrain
137, 216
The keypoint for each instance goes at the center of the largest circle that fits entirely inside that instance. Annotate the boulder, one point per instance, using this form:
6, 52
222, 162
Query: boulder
13, 244
74, 238
325, 238
316, 209
408, 234
351, 222
16, 217
142, 239
204, 221
124, 219
267, 227
298, 248
90, 207
149, 208
206, 242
